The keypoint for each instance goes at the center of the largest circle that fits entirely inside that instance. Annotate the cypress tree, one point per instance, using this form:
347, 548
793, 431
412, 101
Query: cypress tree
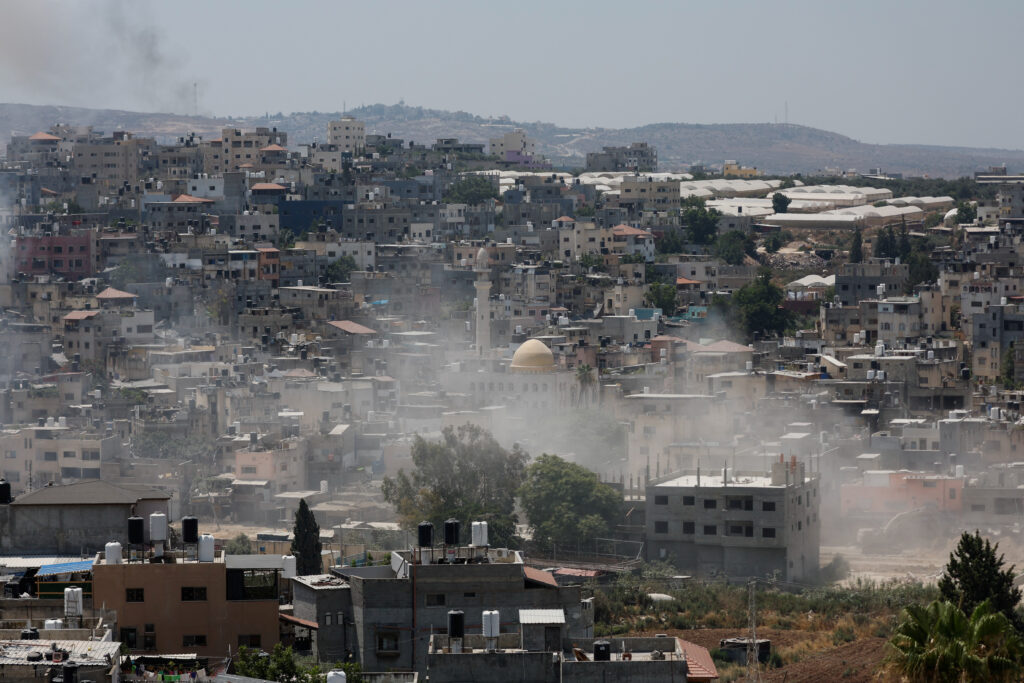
306, 544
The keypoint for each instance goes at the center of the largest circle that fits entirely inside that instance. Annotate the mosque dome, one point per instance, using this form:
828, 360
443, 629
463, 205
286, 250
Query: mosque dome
533, 356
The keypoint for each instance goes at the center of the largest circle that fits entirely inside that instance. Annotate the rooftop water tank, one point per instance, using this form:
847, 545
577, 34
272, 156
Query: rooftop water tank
336, 676
73, 602
206, 548
289, 567
136, 530
158, 527
112, 553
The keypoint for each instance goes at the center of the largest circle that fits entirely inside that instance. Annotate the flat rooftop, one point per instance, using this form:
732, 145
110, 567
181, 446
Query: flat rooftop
715, 481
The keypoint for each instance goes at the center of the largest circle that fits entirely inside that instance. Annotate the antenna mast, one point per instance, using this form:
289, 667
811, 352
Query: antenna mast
753, 670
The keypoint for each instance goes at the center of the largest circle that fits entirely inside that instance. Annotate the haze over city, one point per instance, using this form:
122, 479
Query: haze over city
937, 73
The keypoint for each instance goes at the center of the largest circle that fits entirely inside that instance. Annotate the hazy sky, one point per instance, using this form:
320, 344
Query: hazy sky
908, 72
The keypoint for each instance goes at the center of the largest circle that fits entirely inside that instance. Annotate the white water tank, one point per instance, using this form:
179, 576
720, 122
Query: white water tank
336, 676
479, 534
750, 364
53, 624
871, 375
72, 602
323, 486
931, 355
206, 548
158, 526
289, 567
881, 375
879, 349
491, 623
959, 471
112, 553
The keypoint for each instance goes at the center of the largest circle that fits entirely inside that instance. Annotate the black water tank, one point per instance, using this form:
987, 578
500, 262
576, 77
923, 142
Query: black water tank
5, 492
136, 530
456, 624
189, 530
451, 532
602, 651
425, 534
70, 672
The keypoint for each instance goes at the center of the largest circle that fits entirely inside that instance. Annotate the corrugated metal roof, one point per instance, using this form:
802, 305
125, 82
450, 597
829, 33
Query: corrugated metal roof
65, 568
84, 652
541, 616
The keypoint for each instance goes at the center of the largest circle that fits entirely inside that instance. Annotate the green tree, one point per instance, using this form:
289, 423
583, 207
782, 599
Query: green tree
340, 270
758, 306
857, 247
585, 380
466, 475
472, 189
966, 212
239, 545
885, 243
903, 247
733, 247
1007, 370
566, 504
920, 269
306, 546
672, 241
940, 643
975, 573
701, 223
780, 203
662, 295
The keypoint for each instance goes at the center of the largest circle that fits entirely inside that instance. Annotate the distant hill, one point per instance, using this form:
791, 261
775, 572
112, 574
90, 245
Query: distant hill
774, 148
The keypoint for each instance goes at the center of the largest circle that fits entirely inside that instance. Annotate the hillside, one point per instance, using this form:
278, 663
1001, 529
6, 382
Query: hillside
775, 148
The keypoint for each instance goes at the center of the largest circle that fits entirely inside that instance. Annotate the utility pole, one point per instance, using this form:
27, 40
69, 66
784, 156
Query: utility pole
753, 670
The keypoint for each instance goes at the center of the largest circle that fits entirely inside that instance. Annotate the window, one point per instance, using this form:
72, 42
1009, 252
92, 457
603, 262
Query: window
328, 619
710, 530
193, 593
193, 641
710, 503
661, 500
768, 532
435, 600
50, 456
249, 640
952, 494
689, 500
134, 595
469, 595
688, 527
387, 642
768, 506
129, 636
661, 527
69, 454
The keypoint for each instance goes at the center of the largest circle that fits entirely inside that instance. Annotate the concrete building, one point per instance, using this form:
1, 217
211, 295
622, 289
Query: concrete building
638, 157
383, 616
203, 607
348, 134
737, 524
858, 281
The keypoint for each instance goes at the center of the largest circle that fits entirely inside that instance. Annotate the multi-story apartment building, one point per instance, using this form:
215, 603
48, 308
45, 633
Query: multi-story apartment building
737, 524
639, 157
348, 134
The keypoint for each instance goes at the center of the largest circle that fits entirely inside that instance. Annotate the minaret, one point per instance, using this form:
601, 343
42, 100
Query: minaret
483, 302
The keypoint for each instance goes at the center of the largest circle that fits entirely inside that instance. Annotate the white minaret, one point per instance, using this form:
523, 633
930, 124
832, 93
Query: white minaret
483, 302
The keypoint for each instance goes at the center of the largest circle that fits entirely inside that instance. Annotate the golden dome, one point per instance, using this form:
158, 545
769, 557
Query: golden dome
533, 356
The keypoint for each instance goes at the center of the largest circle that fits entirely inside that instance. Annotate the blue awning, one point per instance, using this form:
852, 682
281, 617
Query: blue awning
65, 568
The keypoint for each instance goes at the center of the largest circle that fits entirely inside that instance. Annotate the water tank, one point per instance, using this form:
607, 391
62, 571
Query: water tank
5, 492
425, 534
69, 672
136, 530
959, 471
158, 527
451, 532
750, 365
72, 602
479, 534
289, 567
189, 530
602, 651
112, 553
323, 486
206, 548
53, 624
491, 624
336, 676
931, 355
871, 375
29, 634
456, 624
881, 375
879, 349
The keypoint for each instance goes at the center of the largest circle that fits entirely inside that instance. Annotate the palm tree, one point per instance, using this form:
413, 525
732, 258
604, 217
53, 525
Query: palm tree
940, 643
585, 378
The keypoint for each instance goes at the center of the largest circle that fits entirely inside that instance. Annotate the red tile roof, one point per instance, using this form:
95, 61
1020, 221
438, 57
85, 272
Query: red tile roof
351, 327
189, 199
43, 137
111, 293
699, 664
687, 281
273, 148
630, 230
539, 576
267, 186
80, 315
